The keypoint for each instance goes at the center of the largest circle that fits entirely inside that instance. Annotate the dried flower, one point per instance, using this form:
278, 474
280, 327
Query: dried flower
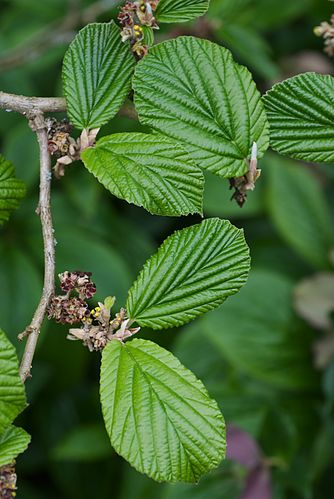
64, 147
67, 310
78, 281
8, 481
326, 30
97, 332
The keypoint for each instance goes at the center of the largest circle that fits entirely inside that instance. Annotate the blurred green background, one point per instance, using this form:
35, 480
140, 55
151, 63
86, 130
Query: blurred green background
266, 355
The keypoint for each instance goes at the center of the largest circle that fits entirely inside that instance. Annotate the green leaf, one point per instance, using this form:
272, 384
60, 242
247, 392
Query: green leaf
148, 33
158, 414
193, 91
83, 443
299, 211
300, 112
178, 11
97, 73
13, 442
149, 171
12, 190
256, 333
193, 271
12, 394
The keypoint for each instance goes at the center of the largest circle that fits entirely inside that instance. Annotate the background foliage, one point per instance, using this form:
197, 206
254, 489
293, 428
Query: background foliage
264, 358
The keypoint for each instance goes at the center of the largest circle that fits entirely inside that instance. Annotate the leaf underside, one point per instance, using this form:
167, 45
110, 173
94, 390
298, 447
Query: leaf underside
12, 190
148, 170
97, 73
192, 91
193, 271
12, 394
177, 11
158, 415
300, 113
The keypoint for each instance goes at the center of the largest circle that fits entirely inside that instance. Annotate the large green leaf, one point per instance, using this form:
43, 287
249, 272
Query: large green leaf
97, 73
12, 442
178, 11
300, 112
158, 414
193, 271
148, 170
299, 210
12, 190
257, 333
193, 91
12, 394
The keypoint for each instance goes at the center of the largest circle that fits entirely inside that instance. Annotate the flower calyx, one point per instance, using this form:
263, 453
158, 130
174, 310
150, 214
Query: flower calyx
99, 328
134, 16
242, 185
64, 147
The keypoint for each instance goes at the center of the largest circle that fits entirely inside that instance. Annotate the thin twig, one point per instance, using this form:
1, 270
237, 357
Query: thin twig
32, 105
32, 108
37, 124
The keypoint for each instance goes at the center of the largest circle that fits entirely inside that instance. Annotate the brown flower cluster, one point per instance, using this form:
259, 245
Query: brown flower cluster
132, 17
67, 309
78, 281
97, 325
326, 30
8, 481
99, 328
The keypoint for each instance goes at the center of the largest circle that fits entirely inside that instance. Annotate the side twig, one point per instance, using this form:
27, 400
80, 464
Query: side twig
30, 105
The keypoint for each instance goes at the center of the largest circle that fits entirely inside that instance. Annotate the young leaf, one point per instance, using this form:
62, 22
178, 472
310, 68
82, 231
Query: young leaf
12, 394
12, 190
158, 415
193, 271
192, 91
300, 112
13, 442
97, 73
299, 211
149, 171
178, 11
